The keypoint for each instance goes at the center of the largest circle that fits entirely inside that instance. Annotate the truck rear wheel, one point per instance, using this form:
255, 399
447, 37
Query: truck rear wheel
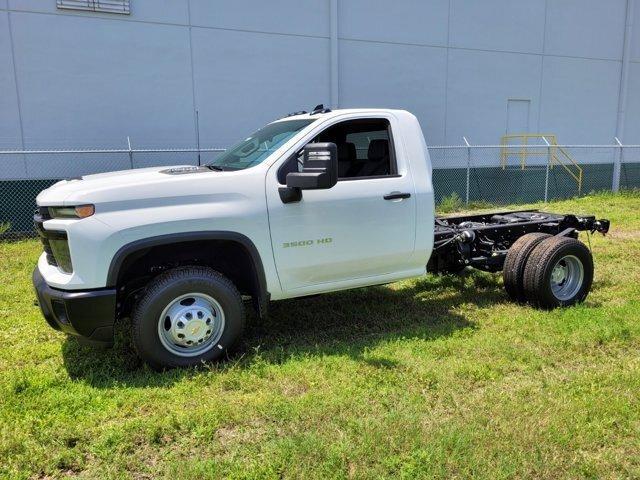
514, 263
187, 316
558, 273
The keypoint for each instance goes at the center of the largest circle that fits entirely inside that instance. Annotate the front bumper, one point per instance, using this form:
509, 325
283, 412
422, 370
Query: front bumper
89, 313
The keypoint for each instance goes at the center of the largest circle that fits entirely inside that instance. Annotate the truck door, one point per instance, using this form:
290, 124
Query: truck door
362, 228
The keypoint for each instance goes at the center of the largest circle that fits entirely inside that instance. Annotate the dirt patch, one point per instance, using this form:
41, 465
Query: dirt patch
625, 234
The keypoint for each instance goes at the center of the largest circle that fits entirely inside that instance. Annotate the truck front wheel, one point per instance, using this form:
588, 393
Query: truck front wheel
187, 316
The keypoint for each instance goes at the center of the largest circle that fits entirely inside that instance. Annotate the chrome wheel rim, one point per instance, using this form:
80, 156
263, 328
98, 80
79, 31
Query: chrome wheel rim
567, 277
191, 324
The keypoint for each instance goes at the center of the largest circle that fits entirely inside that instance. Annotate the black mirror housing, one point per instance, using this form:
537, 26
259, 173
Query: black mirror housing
319, 168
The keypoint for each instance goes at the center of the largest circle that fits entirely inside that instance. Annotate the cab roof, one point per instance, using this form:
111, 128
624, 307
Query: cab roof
328, 113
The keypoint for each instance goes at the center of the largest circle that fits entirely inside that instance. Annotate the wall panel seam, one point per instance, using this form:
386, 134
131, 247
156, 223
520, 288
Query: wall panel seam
15, 79
196, 123
514, 52
173, 24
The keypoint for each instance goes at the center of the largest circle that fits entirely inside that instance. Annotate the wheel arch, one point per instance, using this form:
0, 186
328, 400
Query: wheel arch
129, 254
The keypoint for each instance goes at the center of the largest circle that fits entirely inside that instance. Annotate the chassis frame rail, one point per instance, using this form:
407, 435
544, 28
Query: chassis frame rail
482, 240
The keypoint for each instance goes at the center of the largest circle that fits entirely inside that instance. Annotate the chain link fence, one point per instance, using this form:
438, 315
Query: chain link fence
465, 174
498, 174
630, 167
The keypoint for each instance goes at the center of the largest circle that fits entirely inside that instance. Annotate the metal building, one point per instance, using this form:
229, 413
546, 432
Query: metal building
74, 77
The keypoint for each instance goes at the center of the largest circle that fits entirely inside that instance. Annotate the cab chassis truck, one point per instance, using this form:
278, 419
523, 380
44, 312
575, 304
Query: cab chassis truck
314, 202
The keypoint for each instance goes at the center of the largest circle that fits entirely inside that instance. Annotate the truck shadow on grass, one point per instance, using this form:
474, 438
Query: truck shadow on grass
345, 323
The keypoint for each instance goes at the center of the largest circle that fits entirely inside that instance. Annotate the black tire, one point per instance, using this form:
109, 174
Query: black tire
562, 252
515, 262
162, 292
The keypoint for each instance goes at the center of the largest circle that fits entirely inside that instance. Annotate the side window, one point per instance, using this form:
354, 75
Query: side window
365, 149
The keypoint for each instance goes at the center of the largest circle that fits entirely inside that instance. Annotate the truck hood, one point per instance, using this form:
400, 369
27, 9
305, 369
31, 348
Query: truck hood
125, 184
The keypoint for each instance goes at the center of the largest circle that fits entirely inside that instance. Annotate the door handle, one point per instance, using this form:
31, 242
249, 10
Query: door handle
396, 196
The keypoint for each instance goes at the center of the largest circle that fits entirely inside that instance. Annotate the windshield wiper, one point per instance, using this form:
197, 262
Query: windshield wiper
217, 168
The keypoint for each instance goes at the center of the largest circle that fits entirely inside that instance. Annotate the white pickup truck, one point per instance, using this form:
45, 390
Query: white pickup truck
311, 203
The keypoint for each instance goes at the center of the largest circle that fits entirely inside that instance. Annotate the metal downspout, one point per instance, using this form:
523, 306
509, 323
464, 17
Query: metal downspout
335, 79
622, 96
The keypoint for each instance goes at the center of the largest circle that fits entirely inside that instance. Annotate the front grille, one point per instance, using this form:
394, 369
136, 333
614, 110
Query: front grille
46, 246
43, 212
54, 243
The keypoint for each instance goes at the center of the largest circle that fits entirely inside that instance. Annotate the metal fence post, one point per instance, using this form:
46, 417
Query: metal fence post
617, 164
198, 134
466, 198
130, 152
546, 178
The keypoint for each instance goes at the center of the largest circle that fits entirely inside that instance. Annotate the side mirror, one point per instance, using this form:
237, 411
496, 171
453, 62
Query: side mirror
319, 168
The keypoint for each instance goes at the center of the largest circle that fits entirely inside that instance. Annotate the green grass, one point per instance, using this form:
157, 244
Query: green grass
453, 203
439, 377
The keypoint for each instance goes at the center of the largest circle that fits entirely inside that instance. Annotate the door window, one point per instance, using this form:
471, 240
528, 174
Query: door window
365, 150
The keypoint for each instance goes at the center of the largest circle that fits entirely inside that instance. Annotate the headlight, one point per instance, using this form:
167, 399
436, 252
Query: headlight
80, 211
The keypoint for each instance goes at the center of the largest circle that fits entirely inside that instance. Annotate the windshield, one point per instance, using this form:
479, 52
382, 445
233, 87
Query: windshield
258, 145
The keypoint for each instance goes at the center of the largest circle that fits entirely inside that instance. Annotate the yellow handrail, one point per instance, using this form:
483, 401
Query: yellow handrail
557, 154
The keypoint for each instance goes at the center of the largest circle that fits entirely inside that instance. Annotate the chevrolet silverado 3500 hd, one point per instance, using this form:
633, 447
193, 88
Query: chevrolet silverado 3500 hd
311, 203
